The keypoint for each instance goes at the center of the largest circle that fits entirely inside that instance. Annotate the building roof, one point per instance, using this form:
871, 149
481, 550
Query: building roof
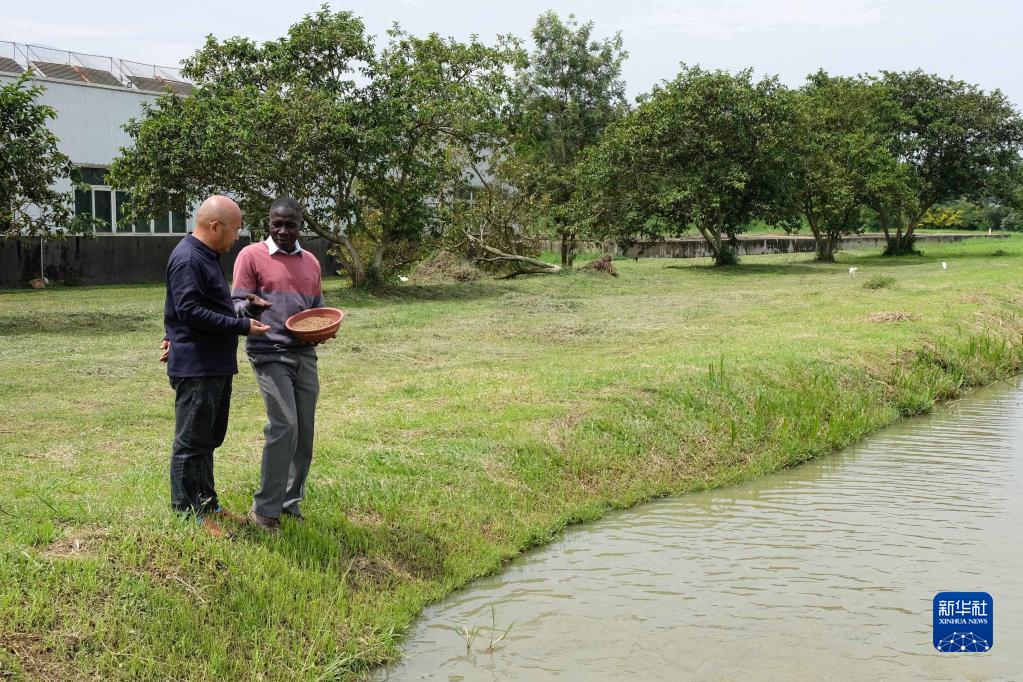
8, 65
88, 69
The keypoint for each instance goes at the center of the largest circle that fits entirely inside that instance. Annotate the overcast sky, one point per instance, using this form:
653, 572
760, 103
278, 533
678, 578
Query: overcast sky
977, 41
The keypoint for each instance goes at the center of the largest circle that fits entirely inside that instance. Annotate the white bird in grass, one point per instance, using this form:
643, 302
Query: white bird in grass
944, 265
852, 271
402, 278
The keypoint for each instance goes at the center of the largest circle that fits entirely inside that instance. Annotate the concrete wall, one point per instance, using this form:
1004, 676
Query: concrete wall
116, 259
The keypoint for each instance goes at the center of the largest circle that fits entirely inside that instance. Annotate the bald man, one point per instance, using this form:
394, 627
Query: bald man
202, 326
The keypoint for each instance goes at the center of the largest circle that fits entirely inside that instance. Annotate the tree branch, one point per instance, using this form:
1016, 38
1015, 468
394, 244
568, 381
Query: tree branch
498, 256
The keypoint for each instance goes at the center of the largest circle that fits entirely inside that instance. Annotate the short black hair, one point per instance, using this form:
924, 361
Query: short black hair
289, 203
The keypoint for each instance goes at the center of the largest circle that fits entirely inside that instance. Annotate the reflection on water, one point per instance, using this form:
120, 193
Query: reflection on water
825, 571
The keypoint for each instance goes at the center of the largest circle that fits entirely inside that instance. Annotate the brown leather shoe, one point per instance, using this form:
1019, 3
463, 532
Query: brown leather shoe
211, 527
222, 514
267, 523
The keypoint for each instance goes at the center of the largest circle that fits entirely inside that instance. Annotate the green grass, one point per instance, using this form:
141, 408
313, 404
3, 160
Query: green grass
880, 282
458, 425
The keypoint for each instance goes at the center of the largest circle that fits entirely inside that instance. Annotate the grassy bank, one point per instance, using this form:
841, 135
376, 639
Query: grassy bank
458, 424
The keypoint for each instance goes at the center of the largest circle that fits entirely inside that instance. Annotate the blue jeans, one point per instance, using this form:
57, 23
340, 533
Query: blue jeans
201, 409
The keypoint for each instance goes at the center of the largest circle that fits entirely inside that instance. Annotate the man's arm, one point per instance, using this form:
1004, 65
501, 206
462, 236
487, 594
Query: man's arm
183, 282
245, 287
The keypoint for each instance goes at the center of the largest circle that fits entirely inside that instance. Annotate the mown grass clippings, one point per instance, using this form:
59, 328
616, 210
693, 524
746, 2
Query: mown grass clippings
445, 267
603, 264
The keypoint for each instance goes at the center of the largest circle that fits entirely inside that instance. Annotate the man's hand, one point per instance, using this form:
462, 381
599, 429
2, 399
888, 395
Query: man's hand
165, 350
257, 328
257, 302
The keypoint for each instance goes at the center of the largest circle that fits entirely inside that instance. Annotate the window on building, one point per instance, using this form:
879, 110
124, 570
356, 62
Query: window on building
103, 208
107, 204
162, 223
178, 222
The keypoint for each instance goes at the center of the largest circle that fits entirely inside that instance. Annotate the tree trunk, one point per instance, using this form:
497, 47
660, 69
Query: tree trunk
567, 249
895, 244
715, 248
344, 251
379, 251
820, 239
902, 243
356, 270
826, 248
724, 253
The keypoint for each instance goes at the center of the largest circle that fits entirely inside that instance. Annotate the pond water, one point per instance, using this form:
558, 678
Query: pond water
824, 571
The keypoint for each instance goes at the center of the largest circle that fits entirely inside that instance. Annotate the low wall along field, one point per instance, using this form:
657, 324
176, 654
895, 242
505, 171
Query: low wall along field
458, 425
756, 245
110, 259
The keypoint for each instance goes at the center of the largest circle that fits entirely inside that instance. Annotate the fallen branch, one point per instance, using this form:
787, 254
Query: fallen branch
498, 256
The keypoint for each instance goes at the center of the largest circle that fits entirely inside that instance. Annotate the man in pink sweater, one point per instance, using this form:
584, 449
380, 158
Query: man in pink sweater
279, 271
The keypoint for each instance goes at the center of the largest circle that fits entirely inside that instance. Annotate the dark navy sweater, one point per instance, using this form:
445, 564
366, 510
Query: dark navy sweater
199, 317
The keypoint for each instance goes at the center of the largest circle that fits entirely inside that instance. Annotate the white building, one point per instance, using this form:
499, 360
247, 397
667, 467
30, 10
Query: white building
94, 97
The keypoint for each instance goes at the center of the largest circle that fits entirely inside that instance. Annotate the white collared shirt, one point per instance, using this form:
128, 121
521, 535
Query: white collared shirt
272, 247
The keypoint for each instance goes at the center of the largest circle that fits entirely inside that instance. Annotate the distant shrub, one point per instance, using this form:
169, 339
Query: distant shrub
879, 282
603, 264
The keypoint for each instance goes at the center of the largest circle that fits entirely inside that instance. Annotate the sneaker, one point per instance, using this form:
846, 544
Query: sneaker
267, 523
295, 515
211, 527
225, 515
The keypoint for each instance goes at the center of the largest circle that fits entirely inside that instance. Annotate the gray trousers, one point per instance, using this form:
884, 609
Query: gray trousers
290, 386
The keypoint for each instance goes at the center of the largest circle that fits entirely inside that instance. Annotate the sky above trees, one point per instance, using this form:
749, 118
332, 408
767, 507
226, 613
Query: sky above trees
977, 42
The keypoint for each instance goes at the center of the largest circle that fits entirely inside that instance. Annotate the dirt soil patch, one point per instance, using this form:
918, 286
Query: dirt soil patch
891, 316
36, 662
78, 543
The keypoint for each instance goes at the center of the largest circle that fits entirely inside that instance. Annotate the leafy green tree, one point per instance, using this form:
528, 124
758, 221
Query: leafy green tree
567, 91
961, 214
1007, 191
951, 140
30, 166
840, 150
707, 150
366, 139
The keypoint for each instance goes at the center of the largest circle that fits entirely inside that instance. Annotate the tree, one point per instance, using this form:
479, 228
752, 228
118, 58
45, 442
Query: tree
30, 166
367, 140
840, 149
1007, 191
494, 219
707, 150
566, 92
951, 139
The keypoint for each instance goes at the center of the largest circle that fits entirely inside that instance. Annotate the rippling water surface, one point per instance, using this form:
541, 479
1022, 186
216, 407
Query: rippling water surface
825, 571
